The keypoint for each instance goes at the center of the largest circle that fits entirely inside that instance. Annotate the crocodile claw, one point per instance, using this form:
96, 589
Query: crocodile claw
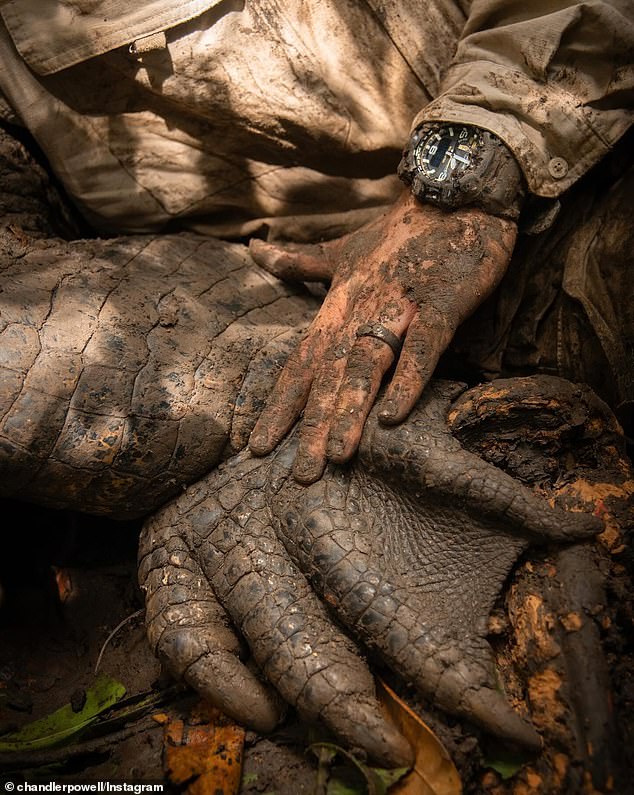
409, 546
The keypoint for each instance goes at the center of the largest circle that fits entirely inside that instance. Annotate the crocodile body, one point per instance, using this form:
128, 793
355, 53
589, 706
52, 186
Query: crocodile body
132, 367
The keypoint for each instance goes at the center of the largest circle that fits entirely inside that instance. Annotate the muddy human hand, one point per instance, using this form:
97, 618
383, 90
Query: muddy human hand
418, 272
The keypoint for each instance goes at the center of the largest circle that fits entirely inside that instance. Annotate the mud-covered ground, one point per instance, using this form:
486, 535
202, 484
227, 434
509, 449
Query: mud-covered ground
69, 580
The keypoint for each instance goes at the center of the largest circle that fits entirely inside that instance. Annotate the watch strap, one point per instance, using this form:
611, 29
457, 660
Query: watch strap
495, 184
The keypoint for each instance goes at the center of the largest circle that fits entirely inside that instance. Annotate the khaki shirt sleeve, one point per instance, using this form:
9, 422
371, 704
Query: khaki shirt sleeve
556, 87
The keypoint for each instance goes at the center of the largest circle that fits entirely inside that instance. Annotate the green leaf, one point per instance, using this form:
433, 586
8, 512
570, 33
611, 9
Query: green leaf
338, 787
506, 763
63, 724
134, 707
377, 780
505, 768
346, 781
389, 777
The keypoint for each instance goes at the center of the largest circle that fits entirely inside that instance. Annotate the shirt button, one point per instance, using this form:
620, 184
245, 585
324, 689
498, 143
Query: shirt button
558, 168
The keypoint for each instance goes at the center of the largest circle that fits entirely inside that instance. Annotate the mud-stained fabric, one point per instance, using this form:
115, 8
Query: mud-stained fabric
290, 117
251, 118
554, 80
54, 34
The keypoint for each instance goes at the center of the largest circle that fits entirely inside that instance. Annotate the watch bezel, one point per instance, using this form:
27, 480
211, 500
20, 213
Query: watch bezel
459, 188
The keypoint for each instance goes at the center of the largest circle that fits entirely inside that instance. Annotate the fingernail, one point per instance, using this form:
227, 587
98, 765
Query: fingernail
307, 470
388, 411
255, 245
262, 252
335, 448
259, 442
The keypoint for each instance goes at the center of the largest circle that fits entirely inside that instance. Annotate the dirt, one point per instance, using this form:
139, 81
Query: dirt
563, 637
68, 581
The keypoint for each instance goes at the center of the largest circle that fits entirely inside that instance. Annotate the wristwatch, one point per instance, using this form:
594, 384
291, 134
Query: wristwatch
453, 165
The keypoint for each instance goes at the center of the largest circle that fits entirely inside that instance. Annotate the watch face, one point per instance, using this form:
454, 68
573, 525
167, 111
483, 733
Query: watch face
447, 151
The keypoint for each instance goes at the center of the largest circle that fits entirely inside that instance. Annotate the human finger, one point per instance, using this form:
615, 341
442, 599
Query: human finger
310, 459
286, 401
370, 358
292, 262
424, 344
295, 382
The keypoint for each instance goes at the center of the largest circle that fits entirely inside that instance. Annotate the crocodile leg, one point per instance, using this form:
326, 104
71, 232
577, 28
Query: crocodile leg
409, 547
310, 662
130, 367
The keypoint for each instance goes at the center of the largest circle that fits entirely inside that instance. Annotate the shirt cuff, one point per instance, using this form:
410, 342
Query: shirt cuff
553, 135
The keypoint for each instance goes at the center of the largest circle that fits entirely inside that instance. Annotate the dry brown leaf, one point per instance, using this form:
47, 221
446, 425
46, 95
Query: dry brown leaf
433, 773
64, 582
206, 750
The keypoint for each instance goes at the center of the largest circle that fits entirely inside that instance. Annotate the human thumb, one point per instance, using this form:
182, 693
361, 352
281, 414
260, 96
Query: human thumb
293, 262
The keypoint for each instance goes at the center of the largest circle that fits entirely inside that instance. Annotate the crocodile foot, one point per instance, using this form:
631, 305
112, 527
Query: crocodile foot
408, 547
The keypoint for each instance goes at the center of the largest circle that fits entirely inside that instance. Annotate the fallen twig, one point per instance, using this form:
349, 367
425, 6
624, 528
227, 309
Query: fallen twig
114, 632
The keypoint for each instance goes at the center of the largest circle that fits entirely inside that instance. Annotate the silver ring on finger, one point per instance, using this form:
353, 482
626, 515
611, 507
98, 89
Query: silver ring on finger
379, 332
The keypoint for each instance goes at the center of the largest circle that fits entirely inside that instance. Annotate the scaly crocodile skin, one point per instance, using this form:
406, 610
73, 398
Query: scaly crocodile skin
128, 366
131, 367
409, 547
